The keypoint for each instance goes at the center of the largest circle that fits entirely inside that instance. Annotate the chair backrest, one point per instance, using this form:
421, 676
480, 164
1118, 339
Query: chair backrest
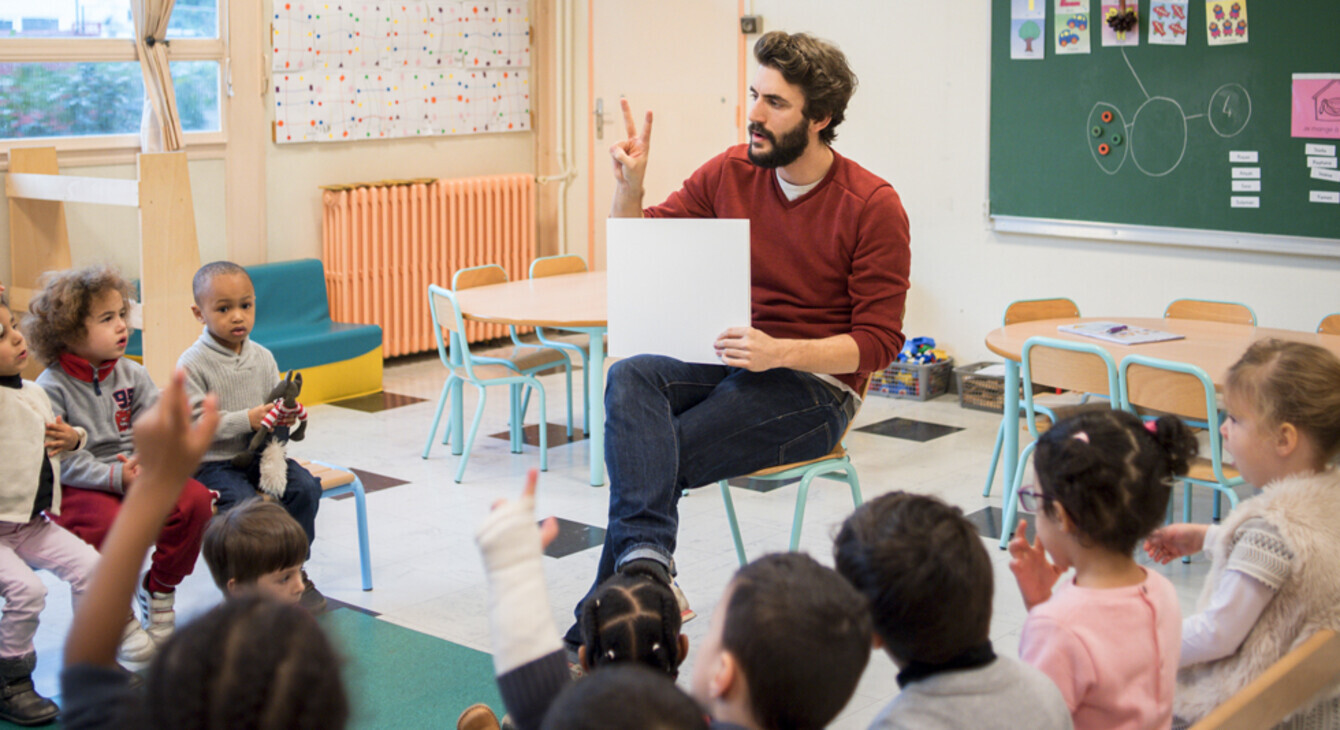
1077, 366
1289, 683
445, 312
568, 263
478, 276
1176, 388
1208, 310
1329, 325
1028, 310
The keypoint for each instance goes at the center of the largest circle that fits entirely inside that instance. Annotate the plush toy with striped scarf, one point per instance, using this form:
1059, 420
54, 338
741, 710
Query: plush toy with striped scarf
271, 445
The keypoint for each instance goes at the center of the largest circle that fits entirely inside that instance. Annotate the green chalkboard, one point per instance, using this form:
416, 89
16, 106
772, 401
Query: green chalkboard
1183, 109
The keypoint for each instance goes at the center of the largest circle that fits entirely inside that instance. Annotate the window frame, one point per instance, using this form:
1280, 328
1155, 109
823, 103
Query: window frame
107, 149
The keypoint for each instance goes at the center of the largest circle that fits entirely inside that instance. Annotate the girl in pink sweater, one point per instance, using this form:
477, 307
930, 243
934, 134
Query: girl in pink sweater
1110, 635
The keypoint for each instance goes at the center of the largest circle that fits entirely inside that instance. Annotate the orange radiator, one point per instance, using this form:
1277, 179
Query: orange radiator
384, 243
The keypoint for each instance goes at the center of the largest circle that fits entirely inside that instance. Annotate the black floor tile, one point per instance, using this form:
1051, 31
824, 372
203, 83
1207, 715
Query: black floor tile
574, 537
906, 428
377, 402
558, 434
987, 521
372, 482
332, 604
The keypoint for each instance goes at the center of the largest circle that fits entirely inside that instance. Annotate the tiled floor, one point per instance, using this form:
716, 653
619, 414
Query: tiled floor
427, 573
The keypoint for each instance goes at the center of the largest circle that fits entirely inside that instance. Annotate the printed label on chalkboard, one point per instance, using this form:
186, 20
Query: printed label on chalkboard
1246, 201
1321, 173
1325, 150
1324, 196
1242, 156
1321, 162
1246, 186
1246, 173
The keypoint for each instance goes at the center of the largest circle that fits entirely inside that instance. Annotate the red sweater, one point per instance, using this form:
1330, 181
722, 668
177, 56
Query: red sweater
833, 261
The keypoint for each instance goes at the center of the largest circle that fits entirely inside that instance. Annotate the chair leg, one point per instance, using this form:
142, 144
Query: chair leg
1215, 514
544, 430
798, 521
995, 459
586, 394
1011, 516
470, 437
1186, 510
515, 427
567, 372
364, 550
437, 418
856, 498
734, 526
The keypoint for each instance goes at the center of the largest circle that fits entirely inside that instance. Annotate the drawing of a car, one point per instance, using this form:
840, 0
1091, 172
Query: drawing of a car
1078, 21
1067, 37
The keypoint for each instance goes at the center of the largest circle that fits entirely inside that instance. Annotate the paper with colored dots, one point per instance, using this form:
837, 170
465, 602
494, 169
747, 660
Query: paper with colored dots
345, 71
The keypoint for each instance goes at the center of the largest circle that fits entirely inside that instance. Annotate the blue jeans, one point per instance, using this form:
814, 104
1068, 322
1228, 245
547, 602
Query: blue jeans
673, 426
234, 485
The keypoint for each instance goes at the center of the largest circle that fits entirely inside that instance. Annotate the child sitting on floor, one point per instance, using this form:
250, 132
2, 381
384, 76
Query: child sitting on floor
1109, 637
1274, 575
251, 662
32, 440
785, 648
257, 546
78, 327
227, 362
928, 579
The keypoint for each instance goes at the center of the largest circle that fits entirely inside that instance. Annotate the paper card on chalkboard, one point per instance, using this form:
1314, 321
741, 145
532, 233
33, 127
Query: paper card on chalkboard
1168, 22
1246, 186
1326, 162
1316, 106
1322, 150
1321, 173
1072, 26
1112, 37
1027, 26
1324, 196
1226, 22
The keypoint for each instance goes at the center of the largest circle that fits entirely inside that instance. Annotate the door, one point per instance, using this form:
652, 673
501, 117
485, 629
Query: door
679, 59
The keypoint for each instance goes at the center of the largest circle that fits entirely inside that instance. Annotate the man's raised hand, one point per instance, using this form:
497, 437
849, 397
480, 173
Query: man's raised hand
630, 155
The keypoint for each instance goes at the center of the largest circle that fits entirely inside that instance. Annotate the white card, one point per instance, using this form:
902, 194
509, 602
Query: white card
674, 284
1246, 173
1246, 186
1321, 162
1325, 150
134, 315
1246, 201
1242, 156
1324, 196
1321, 173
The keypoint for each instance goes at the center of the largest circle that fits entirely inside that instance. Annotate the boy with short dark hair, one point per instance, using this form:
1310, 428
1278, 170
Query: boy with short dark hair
226, 361
928, 581
256, 546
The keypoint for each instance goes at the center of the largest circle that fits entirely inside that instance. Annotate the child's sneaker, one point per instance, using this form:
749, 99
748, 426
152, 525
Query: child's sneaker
136, 646
686, 614
157, 615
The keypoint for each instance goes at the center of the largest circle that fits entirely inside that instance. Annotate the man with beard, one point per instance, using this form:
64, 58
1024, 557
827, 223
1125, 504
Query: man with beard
829, 267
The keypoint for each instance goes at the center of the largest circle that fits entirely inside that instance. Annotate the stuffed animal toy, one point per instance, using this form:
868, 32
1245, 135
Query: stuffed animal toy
274, 464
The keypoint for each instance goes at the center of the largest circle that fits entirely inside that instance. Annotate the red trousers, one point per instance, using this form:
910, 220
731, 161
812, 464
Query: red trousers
88, 513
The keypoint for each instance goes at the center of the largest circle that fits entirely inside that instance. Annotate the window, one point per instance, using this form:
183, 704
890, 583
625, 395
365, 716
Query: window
68, 72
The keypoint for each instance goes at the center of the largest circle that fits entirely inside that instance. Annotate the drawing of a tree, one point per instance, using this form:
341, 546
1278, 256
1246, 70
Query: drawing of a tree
1029, 32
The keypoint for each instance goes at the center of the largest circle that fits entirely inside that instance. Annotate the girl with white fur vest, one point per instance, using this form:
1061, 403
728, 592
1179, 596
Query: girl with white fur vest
1275, 561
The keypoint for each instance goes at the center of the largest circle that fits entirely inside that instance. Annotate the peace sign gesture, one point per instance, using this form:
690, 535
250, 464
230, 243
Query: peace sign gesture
630, 155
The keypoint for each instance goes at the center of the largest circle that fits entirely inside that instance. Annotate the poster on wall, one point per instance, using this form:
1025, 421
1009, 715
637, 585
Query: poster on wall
1168, 22
1226, 22
375, 70
1072, 26
1121, 23
1316, 105
1028, 21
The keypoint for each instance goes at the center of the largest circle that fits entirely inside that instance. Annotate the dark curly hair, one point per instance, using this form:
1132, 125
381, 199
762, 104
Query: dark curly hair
56, 314
911, 555
624, 696
252, 662
1112, 473
632, 616
818, 67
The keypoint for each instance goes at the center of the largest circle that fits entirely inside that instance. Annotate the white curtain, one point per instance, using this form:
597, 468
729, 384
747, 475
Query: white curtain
160, 127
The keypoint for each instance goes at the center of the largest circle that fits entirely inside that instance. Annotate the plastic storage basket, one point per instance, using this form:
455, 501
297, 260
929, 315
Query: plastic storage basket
983, 392
913, 380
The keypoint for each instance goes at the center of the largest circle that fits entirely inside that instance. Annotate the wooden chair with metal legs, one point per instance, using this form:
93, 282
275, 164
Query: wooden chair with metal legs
569, 263
1329, 325
1209, 310
1026, 310
1285, 686
1077, 366
834, 466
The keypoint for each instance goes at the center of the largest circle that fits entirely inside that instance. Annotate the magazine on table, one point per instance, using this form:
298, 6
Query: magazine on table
1119, 333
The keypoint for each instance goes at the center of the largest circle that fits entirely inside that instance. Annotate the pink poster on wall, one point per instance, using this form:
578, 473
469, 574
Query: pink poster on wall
1316, 105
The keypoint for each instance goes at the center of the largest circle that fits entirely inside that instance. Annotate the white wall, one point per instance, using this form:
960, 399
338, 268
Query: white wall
920, 120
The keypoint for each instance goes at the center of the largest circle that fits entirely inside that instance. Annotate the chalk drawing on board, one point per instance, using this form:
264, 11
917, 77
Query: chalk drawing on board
1164, 135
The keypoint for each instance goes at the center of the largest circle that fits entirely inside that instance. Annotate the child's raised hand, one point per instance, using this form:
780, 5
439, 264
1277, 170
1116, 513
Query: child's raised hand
61, 436
168, 446
1175, 541
1034, 573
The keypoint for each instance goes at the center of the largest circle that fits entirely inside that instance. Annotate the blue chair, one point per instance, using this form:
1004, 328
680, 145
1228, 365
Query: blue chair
463, 368
1027, 310
1077, 366
1187, 392
335, 481
568, 263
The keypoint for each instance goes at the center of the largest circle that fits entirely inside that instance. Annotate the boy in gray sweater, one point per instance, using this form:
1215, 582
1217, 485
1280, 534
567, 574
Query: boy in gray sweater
928, 580
225, 361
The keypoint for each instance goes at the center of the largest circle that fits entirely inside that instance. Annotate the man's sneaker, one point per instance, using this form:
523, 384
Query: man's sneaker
686, 614
477, 717
157, 615
22, 705
136, 646
312, 600
648, 567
